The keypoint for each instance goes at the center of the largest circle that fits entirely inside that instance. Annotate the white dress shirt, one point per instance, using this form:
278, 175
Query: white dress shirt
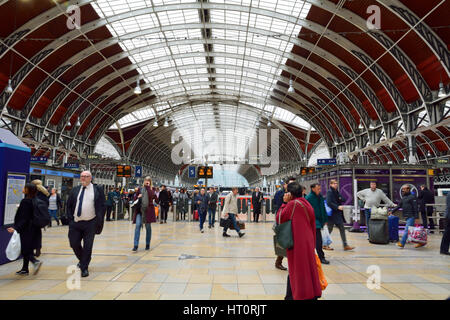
88, 206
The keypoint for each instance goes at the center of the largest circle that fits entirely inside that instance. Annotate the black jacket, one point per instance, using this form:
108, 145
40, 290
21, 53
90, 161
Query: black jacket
334, 200
165, 198
425, 197
256, 201
409, 206
23, 224
212, 200
99, 204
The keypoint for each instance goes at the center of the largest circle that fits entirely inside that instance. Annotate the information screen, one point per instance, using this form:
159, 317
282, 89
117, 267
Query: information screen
123, 171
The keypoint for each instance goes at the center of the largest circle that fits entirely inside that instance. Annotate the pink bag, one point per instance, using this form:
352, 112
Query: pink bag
417, 234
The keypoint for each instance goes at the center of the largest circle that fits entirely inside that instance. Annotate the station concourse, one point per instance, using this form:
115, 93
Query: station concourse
144, 127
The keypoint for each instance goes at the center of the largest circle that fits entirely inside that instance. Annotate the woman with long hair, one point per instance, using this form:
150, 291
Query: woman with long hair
42, 194
23, 224
144, 214
303, 280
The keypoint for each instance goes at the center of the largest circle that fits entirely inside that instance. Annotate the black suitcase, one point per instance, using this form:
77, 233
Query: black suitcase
379, 231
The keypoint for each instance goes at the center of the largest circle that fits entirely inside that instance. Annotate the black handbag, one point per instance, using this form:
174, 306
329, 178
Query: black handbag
226, 223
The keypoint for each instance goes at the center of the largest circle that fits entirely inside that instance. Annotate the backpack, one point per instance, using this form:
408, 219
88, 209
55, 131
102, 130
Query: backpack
41, 217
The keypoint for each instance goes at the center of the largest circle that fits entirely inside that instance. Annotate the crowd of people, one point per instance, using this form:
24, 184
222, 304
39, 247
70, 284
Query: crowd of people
86, 207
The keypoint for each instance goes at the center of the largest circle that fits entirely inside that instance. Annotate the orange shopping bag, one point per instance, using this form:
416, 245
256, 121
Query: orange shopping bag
156, 211
322, 279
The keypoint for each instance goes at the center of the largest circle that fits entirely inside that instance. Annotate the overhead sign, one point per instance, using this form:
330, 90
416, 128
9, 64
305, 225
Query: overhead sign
442, 161
209, 172
191, 172
71, 165
123, 171
39, 159
326, 162
138, 171
93, 156
306, 170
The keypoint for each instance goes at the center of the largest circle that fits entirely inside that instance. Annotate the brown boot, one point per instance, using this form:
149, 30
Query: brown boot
347, 248
278, 264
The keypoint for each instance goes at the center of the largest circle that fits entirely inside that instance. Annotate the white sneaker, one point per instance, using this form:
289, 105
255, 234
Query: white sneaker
202, 231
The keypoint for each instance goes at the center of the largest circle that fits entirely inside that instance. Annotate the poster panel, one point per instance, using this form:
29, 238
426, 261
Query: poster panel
14, 186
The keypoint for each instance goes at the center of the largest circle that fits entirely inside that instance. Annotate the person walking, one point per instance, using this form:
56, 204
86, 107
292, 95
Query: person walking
257, 199
213, 197
23, 224
183, 203
278, 204
425, 197
445, 242
42, 194
202, 206
86, 211
164, 200
303, 279
55, 205
316, 201
335, 201
110, 203
373, 197
409, 206
144, 213
230, 210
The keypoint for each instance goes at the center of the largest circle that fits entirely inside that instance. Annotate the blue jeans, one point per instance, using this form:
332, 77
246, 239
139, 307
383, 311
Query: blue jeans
232, 216
202, 218
137, 231
211, 216
367, 214
409, 223
53, 214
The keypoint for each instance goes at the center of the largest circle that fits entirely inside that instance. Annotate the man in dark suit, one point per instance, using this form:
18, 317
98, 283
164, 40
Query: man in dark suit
257, 198
426, 197
86, 211
335, 201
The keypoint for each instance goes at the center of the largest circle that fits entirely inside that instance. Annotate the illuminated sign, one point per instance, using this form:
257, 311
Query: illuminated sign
123, 171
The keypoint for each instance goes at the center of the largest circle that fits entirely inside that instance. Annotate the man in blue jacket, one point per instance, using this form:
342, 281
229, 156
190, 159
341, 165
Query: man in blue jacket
202, 206
335, 201
316, 200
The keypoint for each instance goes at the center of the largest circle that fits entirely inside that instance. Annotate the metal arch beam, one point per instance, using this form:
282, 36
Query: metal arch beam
443, 138
294, 110
258, 9
114, 144
432, 40
429, 143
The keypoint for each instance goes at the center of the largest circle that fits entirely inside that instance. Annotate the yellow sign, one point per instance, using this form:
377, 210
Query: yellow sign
430, 172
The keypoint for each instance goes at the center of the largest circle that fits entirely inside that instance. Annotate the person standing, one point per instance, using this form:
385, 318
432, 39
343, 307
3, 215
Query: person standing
182, 204
410, 212
54, 206
335, 201
230, 210
164, 201
144, 213
425, 197
278, 204
303, 279
445, 242
202, 206
86, 211
257, 199
212, 204
42, 194
23, 224
316, 200
372, 197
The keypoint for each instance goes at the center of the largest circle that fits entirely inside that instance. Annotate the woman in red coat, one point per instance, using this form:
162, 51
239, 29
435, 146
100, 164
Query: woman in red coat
303, 279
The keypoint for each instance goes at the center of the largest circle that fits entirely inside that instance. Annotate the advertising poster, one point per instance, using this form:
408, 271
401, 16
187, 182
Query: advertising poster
14, 186
398, 182
346, 189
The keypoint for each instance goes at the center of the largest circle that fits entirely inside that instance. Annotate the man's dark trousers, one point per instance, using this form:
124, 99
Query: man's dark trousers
319, 244
82, 230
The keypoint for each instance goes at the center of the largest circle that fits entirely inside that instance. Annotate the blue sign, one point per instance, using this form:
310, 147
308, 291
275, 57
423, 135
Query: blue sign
71, 165
192, 172
39, 159
326, 162
138, 171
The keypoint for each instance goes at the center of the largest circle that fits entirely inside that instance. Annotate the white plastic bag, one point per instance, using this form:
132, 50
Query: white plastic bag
326, 238
13, 248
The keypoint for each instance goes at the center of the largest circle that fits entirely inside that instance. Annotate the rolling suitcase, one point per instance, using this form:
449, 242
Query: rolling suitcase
379, 232
393, 228
196, 215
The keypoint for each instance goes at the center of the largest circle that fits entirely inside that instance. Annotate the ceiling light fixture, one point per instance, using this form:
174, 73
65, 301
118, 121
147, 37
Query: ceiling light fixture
155, 123
166, 123
78, 122
361, 127
137, 90
441, 93
9, 88
291, 87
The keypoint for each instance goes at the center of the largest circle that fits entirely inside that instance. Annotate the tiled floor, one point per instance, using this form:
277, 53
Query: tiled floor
221, 268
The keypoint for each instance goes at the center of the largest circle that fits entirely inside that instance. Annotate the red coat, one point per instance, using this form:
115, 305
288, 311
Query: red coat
149, 216
301, 258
